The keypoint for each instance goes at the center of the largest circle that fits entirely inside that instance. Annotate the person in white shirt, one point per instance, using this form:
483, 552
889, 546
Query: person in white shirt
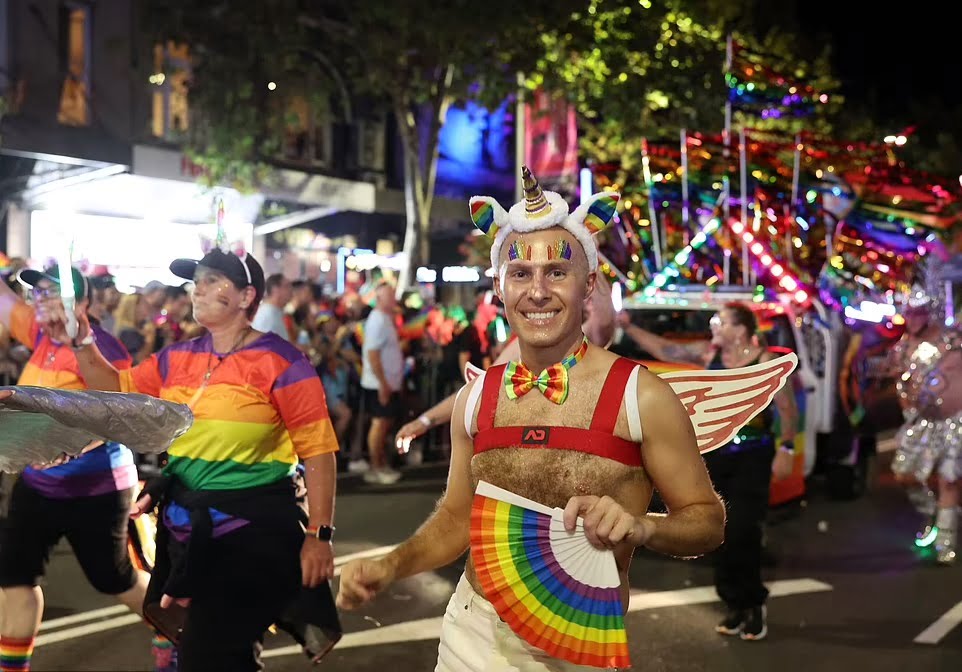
382, 374
270, 314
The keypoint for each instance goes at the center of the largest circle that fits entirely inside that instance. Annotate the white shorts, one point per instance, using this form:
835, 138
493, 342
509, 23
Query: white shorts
475, 639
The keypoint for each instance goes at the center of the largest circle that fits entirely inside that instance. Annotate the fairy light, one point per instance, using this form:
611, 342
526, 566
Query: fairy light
785, 281
681, 258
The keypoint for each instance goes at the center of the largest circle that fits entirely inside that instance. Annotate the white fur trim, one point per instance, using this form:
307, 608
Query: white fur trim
558, 216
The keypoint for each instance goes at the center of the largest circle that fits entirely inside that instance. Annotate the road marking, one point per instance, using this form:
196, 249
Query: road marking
430, 628
129, 619
84, 630
83, 616
339, 561
935, 632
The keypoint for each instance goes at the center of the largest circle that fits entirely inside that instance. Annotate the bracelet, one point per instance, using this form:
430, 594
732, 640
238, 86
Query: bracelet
425, 420
787, 447
87, 340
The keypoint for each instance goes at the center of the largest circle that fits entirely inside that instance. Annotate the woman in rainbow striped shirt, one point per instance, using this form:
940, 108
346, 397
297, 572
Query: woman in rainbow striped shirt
231, 550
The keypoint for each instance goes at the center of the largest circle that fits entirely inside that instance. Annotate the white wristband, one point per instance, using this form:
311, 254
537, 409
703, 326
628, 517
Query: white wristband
426, 421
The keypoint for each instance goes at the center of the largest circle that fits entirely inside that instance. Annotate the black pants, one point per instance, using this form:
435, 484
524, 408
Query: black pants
96, 528
248, 578
742, 478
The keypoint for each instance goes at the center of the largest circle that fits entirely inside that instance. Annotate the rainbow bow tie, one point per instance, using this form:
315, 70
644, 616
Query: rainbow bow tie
553, 381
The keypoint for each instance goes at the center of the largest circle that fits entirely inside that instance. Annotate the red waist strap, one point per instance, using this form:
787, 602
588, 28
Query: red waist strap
590, 441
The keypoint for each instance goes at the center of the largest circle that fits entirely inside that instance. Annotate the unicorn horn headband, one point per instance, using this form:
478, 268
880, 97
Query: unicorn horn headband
540, 210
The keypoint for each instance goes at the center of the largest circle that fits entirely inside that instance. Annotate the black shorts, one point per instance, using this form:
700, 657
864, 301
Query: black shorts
375, 409
96, 528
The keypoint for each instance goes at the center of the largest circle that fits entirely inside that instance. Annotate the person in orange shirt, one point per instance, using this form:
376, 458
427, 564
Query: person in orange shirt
85, 500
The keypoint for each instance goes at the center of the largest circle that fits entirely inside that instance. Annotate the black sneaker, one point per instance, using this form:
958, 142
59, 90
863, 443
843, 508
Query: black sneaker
756, 625
734, 622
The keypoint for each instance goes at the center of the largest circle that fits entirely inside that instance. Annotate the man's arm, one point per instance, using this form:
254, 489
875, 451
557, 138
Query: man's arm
667, 350
445, 536
695, 522
441, 540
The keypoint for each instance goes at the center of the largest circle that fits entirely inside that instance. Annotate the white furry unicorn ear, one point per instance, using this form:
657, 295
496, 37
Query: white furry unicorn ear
487, 214
597, 212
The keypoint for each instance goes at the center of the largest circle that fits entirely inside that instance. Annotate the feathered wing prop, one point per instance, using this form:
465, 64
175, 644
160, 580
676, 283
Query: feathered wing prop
39, 425
720, 402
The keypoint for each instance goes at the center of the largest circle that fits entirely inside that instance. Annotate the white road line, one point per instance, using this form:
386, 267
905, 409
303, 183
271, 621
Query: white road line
83, 616
935, 632
339, 561
84, 630
430, 628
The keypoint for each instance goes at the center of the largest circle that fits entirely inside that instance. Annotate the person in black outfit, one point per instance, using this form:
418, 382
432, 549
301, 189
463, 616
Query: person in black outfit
742, 470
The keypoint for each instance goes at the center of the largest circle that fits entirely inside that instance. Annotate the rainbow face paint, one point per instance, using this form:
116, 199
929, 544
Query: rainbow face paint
560, 250
519, 250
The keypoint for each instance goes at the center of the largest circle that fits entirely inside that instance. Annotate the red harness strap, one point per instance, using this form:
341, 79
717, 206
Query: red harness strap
597, 440
606, 410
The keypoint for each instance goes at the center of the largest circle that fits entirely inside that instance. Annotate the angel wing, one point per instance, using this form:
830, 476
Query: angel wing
721, 402
471, 372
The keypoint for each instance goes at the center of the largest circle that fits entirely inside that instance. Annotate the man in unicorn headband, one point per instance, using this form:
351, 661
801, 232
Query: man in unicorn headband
576, 433
929, 358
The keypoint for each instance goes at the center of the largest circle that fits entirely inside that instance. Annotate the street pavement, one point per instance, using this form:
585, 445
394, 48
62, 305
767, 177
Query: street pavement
849, 591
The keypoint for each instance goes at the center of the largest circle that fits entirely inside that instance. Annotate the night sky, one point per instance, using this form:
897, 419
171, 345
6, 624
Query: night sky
890, 57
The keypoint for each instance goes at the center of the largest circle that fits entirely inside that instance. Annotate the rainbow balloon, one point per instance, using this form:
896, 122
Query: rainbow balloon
555, 590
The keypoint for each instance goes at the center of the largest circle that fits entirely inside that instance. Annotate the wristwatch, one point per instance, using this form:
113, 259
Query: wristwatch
322, 532
787, 447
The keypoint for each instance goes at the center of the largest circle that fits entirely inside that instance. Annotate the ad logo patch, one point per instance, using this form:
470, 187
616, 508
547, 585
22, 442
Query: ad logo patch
535, 436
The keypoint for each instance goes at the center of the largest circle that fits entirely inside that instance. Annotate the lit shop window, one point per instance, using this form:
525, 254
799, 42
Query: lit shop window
306, 134
75, 55
170, 118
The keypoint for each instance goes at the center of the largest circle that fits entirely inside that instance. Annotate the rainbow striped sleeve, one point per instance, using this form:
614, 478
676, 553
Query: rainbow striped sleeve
23, 324
299, 397
112, 349
144, 378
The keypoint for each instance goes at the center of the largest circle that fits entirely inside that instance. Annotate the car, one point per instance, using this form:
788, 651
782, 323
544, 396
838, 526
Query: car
831, 446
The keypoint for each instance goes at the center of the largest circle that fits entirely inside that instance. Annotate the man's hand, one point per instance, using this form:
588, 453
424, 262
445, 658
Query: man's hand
384, 394
5, 394
52, 318
141, 506
317, 561
783, 465
361, 581
606, 523
408, 433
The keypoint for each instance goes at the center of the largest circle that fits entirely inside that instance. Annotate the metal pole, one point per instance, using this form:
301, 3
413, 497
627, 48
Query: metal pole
726, 182
793, 206
743, 169
520, 132
685, 206
652, 213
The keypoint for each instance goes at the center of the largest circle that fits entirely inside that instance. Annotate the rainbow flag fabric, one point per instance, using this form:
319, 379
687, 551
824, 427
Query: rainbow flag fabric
262, 409
554, 589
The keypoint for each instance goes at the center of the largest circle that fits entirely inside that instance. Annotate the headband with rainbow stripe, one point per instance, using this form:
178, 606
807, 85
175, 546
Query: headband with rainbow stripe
542, 210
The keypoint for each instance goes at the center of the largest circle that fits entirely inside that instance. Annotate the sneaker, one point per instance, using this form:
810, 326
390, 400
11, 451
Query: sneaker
358, 466
756, 625
381, 476
734, 622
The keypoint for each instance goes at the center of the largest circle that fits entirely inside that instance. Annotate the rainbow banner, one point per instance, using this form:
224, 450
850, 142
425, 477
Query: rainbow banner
552, 587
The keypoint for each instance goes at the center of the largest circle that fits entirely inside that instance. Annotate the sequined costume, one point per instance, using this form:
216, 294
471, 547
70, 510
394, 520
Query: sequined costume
930, 391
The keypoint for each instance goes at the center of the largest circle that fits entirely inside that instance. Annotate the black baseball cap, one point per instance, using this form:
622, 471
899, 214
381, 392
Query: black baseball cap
242, 270
30, 278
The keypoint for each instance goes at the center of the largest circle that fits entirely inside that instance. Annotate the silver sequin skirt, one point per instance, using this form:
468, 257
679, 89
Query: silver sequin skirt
926, 446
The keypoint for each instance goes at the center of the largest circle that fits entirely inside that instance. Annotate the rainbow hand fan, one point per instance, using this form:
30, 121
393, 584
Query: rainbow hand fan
554, 589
